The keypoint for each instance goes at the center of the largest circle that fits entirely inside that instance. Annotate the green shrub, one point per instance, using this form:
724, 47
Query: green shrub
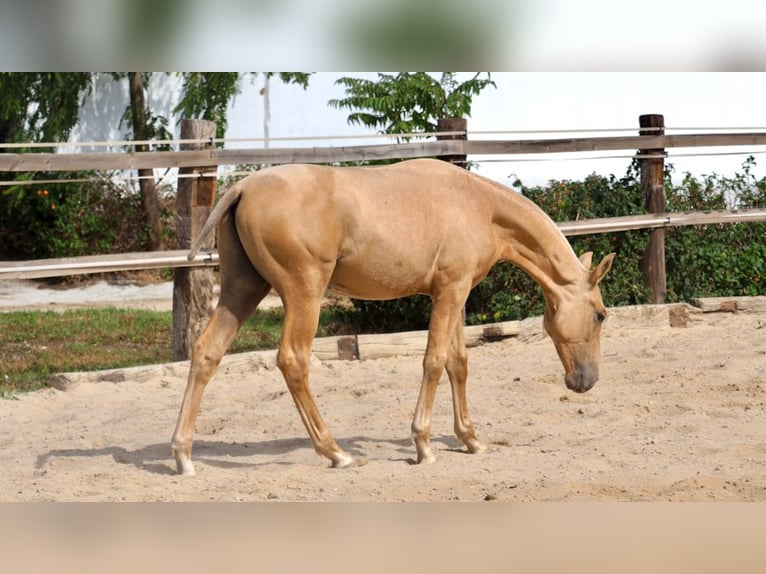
721, 259
89, 215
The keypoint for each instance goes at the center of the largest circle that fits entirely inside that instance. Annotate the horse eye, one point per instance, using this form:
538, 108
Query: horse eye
600, 316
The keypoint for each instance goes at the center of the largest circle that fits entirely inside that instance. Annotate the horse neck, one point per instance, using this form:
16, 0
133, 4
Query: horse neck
533, 242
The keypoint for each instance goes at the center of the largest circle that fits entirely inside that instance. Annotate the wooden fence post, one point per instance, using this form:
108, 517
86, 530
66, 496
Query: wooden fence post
453, 125
653, 195
193, 287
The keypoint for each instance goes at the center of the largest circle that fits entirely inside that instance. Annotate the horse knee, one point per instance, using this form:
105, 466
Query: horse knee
292, 365
433, 364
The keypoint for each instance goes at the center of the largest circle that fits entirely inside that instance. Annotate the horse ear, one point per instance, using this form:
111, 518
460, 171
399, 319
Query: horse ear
586, 259
602, 269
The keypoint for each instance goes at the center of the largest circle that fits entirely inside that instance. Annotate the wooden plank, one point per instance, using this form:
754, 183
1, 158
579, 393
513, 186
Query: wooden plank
147, 160
343, 347
682, 315
196, 158
325, 348
102, 161
415, 342
40, 268
392, 344
538, 146
731, 304
338, 154
477, 334
713, 140
636, 317
238, 362
611, 143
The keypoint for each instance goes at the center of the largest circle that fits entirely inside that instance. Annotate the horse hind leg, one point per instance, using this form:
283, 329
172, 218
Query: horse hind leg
293, 359
242, 289
207, 353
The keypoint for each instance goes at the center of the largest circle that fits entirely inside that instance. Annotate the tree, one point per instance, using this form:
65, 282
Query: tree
35, 107
141, 132
408, 102
40, 107
207, 95
145, 126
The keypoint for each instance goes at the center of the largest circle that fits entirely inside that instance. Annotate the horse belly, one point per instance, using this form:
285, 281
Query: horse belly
379, 277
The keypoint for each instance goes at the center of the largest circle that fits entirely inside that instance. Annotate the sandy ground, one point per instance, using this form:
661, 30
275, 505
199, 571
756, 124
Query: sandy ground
679, 414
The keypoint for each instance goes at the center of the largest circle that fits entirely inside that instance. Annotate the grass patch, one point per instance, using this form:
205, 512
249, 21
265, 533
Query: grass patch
34, 345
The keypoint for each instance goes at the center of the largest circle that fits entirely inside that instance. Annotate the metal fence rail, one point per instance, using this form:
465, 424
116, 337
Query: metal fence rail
657, 220
40, 268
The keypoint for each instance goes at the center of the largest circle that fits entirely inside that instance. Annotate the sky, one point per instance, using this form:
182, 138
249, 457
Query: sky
543, 101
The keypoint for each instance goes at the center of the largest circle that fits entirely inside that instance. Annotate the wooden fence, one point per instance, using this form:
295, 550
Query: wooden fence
202, 160
21, 162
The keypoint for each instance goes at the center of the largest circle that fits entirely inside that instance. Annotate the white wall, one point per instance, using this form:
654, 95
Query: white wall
103, 108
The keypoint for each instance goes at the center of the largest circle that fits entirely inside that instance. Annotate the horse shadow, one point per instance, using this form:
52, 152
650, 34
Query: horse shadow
157, 458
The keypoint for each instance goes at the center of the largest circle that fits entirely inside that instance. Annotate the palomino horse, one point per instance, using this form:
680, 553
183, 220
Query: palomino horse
421, 226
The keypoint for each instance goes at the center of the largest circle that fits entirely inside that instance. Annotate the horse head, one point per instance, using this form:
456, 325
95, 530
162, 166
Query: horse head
573, 318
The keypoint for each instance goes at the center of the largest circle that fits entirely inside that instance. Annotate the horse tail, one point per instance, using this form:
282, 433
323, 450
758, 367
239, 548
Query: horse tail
229, 199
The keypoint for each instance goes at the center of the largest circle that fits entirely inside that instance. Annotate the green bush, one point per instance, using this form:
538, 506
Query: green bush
89, 215
721, 259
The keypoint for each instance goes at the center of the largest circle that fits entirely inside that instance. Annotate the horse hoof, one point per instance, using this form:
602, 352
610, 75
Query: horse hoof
475, 447
185, 468
426, 458
342, 460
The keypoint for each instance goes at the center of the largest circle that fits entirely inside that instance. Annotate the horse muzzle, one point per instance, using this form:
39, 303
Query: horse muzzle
582, 379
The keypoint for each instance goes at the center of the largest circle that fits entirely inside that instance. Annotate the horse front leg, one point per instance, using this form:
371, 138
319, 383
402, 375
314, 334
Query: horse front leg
457, 369
445, 314
293, 359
